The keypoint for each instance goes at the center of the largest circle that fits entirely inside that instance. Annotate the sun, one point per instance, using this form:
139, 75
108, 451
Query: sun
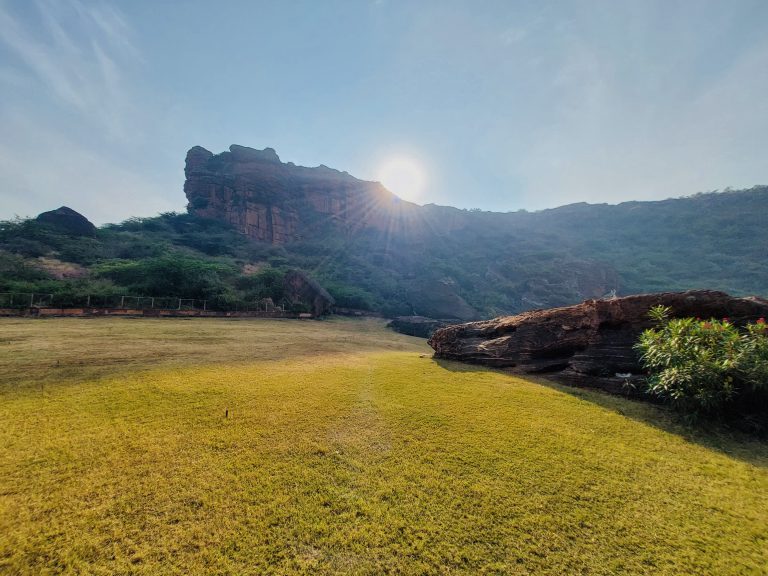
403, 176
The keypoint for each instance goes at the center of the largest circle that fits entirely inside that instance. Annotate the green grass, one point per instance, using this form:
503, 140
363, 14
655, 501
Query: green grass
345, 452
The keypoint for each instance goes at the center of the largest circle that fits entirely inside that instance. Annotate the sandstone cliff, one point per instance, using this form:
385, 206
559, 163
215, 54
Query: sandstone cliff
444, 262
362, 224
277, 202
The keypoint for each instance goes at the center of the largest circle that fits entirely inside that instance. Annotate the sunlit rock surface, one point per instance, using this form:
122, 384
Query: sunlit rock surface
586, 344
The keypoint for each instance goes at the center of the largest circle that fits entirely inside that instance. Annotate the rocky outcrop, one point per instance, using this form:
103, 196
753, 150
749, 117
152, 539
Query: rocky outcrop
586, 344
277, 202
68, 221
417, 325
301, 289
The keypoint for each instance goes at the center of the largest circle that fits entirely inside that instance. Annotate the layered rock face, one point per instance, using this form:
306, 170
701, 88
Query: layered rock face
277, 202
586, 344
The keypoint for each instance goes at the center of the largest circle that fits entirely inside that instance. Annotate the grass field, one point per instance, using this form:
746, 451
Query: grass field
344, 452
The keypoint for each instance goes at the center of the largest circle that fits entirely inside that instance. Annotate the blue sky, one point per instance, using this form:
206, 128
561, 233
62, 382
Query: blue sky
505, 105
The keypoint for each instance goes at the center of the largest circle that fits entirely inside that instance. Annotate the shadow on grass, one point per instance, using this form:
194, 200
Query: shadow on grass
721, 438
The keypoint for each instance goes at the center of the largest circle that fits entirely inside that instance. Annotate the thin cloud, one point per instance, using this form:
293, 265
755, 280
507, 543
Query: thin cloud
72, 132
641, 129
78, 54
42, 167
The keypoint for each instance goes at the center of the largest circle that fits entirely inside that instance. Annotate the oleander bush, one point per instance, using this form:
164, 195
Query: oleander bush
706, 367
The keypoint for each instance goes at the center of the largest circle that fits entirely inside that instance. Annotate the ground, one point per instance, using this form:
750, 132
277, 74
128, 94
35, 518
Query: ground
277, 446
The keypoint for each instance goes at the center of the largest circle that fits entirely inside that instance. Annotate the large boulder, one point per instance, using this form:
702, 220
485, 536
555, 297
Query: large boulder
68, 221
301, 289
586, 344
420, 326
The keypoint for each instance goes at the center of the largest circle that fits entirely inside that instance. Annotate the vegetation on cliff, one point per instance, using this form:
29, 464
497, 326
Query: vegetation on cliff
457, 264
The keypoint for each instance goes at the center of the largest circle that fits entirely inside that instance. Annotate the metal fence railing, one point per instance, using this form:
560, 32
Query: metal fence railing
20, 300
25, 300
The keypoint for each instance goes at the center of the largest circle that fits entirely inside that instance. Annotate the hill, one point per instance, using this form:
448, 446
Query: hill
251, 218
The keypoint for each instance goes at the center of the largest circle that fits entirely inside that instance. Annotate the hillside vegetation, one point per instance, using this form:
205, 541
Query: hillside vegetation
462, 264
281, 447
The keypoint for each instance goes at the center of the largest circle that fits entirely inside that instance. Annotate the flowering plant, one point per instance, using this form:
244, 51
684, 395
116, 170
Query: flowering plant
703, 366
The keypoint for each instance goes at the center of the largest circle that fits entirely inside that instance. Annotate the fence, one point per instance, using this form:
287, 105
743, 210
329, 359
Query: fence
21, 300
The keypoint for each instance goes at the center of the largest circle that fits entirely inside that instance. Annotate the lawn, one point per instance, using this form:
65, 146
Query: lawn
209, 446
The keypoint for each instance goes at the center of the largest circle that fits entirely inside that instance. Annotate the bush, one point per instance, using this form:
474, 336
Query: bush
267, 283
174, 275
706, 368
351, 297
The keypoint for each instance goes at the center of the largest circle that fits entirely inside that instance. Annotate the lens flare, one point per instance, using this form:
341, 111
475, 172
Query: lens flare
403, 176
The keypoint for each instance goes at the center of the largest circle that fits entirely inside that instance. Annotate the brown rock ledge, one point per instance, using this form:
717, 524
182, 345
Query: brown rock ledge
587, 344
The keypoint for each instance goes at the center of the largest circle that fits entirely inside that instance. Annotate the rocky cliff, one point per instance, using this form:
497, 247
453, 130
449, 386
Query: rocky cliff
373, 250
280, 203
277, 202
589, 343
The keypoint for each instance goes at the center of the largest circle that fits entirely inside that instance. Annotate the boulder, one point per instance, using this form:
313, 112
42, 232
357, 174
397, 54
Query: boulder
420, 326
587, 344
301, 289
68, 221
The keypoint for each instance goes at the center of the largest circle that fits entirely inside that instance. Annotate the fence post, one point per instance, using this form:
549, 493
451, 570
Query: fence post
205, 303
122, 301
88, 302
179, 304
31, 300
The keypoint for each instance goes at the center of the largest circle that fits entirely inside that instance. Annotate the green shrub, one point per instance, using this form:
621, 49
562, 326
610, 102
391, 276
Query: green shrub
174, 275
705, 368
351, 297
266, 283
754, 357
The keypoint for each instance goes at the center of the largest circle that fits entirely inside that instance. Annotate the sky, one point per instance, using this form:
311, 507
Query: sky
501, 106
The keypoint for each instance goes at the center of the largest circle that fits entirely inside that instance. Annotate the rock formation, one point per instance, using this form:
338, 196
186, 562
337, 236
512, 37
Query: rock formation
417, 325
301, 289
68, 221
277, 202
587, 344
443, 262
